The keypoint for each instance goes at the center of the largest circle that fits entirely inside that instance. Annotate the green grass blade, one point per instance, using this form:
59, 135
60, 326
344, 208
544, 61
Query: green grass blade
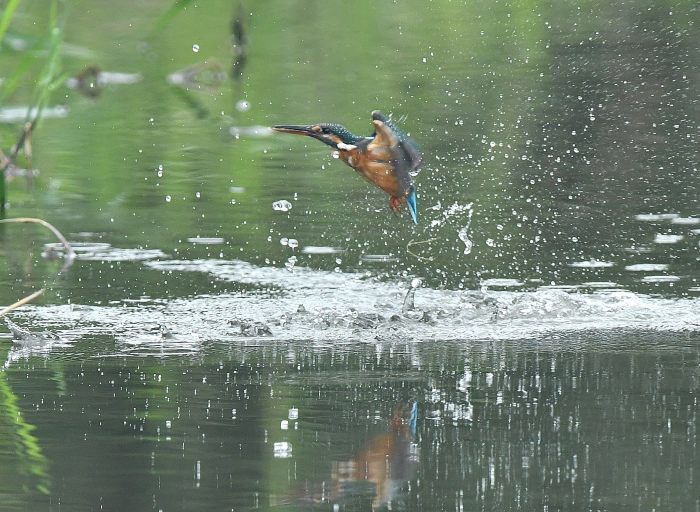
7, 16
168, 15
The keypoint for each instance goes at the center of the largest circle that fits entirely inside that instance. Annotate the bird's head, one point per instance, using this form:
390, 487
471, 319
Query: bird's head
329, 133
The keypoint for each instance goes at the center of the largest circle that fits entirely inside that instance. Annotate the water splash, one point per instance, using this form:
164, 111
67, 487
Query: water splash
291, 262
282, 205
463, 234
409, 300
455, 210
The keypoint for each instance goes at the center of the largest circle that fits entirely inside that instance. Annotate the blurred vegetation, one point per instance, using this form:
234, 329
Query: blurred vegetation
47, 51
30, 465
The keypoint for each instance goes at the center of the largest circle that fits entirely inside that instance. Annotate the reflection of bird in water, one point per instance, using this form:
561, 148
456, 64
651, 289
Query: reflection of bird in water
378, 471
386, 158
386, 462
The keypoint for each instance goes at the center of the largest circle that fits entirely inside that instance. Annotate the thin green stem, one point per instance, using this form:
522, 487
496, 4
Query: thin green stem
7, 16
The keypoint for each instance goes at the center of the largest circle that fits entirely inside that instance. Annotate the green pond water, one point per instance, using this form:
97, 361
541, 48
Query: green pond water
532, 344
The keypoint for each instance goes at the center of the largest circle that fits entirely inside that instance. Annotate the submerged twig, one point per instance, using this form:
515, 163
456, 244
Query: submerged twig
419, 242
70, 253
21, 302
24, 141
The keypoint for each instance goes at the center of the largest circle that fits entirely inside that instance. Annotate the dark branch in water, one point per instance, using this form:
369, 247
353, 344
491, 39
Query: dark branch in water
25, 141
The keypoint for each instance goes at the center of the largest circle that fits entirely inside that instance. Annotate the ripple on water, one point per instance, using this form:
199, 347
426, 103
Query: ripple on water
660, 279
655, 217
16, 114
686, 221
647, 267
592, 263
204, 240
501, 283
600, 285
313, 249
100, 251
250, 131
661, 238
378, 258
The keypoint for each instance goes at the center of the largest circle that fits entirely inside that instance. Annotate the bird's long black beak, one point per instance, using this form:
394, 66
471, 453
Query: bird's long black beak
297, 129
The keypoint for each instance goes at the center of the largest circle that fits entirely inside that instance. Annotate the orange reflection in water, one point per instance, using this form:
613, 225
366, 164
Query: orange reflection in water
378, 472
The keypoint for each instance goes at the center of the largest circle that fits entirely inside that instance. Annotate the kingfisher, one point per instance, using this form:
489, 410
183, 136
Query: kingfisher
387, 158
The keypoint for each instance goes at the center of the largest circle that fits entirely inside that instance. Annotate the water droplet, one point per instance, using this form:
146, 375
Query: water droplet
338, 261
282, 205
293, 243
490, 242
289, 265
197, 195
464, 237
168, 198
195, 48
284, 241
242, 105
335, 154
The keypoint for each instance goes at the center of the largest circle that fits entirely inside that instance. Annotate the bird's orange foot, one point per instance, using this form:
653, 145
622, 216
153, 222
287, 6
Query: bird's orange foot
395, 204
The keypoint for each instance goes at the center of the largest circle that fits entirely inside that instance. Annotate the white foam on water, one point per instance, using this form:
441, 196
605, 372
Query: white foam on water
348, 308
